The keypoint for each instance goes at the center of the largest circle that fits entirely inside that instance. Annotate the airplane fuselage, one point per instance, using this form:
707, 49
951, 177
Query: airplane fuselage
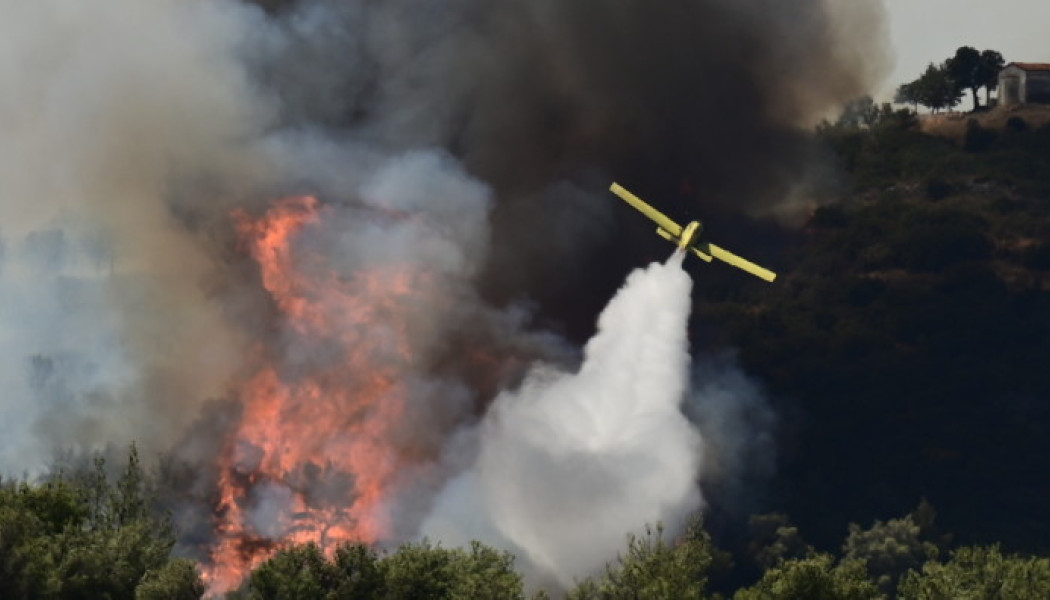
689, 238
690, 235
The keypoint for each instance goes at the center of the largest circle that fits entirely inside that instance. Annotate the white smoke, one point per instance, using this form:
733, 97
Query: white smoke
570, 463
55, 360
107, 331
737, 424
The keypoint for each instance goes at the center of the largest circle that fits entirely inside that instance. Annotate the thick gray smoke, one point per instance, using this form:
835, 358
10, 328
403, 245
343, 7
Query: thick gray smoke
700, 102
572, 462
474, 139
108, 333
738, 427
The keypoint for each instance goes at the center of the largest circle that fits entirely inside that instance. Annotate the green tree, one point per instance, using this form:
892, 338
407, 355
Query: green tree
421, 571
30, 518
426, 571
296, 572
775, 540
972, 70
129, 500
176, 580
936, 89
415, 571
988, 68
979, 573
654, 569
486, 574
909, 93
965, 70
360, 575
889, 550
814, 578
85, 538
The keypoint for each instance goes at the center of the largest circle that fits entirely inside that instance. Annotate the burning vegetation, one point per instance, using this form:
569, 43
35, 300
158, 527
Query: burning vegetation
314, 453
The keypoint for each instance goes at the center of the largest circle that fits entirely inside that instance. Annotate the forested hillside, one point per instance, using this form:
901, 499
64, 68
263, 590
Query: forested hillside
907, 342
84, 535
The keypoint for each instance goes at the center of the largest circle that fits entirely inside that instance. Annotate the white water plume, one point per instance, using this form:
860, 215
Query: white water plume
570, 463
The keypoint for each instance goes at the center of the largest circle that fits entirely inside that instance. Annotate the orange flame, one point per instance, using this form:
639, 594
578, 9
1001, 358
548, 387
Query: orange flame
312, 457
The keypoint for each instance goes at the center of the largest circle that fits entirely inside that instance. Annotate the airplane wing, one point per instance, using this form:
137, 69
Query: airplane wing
704, 256
738, 262
672, 231
661, 219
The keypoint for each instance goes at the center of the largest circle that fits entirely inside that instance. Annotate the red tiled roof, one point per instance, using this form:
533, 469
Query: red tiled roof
1030, 66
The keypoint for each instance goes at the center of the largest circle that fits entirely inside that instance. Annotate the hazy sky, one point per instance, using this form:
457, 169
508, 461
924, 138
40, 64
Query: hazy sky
924, 31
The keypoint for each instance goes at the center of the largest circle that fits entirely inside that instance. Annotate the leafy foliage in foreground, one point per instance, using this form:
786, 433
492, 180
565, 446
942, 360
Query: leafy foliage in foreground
892, 559
817, 577
653, 568
979, 573
89, 539
356, 572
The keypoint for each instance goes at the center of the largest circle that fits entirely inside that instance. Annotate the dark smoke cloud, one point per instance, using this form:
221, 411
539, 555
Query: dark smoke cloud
532, 92
699, 104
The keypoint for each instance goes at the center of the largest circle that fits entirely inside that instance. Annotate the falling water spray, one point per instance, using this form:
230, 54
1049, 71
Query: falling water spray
570, 463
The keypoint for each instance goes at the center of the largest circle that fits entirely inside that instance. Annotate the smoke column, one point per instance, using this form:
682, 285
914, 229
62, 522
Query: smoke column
572, 462
108, 330
738, 426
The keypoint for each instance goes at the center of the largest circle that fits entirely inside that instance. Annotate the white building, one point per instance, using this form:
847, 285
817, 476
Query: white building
1024, 82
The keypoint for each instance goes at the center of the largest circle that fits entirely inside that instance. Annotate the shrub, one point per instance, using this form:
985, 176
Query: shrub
978, 139
1017, 124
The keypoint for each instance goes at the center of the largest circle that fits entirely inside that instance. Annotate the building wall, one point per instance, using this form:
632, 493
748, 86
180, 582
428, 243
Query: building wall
1011, 86
1037, 88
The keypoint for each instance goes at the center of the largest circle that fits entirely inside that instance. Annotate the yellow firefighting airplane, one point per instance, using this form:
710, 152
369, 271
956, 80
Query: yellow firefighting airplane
689, 237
